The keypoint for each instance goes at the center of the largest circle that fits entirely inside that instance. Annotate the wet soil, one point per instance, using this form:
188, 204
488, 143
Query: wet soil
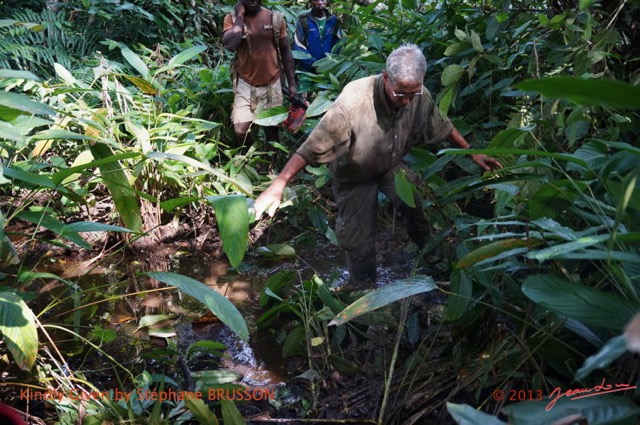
347, 384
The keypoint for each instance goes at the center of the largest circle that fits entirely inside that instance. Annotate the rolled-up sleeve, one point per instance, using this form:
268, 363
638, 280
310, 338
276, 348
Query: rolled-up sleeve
330, 139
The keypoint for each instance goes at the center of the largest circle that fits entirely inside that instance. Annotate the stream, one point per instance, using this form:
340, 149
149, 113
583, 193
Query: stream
255, 364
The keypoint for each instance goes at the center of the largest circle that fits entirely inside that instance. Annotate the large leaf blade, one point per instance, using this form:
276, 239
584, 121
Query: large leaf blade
611, 93
18, 328
24, 104
598, 410
385, 296
232, 216
579, 302
467, 415
613, 349
219, 305
123, 195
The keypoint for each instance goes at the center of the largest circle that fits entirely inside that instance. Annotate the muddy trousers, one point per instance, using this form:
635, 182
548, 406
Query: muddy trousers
356, 224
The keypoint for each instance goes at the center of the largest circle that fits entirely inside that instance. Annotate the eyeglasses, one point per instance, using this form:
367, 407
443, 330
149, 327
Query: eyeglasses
407, 95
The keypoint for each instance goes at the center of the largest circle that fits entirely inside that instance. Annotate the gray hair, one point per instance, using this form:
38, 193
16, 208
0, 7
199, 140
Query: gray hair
406, 64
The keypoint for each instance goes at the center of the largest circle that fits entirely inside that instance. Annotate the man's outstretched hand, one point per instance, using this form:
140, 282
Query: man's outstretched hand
269, 200
485, 162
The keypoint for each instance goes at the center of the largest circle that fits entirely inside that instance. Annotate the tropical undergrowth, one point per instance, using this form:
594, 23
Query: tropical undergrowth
536, 293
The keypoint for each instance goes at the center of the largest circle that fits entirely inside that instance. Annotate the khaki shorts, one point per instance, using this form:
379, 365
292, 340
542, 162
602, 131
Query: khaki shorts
249, 100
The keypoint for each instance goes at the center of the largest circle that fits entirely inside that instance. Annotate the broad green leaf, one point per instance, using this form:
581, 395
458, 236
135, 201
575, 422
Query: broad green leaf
612, 350
272, 117
597, 410
66, 76
136, 62
8, 253
232, 216
162, 156
612, 93
278, 249
319, 106
455, 48
21, 75
507, 138
503, 151
121, 191
445, 99
183, 56
219, 305
384, 296
60, 134
555, 228
88, 226
561, 249
55, 225
7, 130
588, 305
230, 413
460, 297
553, 198
61, 175
464, 414
201, 412
451, 74
494, 249
24, 104
293, 344
404, 188
18, 328
26, 123
171, 204
461, 35
36, 180
277, 284
476, 42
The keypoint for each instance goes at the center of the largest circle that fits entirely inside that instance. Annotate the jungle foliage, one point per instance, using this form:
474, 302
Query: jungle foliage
122, 108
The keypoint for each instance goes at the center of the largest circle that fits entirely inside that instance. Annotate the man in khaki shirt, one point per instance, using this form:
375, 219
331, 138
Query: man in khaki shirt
363, 138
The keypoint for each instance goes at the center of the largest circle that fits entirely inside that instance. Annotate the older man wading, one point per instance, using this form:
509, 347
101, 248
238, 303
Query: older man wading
363, 138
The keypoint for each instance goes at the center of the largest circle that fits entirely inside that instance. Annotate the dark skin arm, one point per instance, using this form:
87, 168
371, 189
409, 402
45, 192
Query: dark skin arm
289, 66
485, 162
233, 37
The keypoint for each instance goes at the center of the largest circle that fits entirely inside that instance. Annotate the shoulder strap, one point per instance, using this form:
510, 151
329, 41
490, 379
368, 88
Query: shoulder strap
276, 22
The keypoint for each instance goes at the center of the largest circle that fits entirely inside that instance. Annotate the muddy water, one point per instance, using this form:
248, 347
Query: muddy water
258, 362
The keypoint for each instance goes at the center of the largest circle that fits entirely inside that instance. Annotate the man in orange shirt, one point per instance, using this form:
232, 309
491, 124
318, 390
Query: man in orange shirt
257, 80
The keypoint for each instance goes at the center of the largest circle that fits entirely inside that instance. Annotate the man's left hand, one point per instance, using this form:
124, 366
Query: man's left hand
485, 162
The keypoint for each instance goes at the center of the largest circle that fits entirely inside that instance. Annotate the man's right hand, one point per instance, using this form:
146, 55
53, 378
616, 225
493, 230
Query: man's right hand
239, 9
269, 200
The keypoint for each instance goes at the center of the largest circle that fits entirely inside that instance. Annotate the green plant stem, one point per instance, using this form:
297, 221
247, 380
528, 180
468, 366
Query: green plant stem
404, 311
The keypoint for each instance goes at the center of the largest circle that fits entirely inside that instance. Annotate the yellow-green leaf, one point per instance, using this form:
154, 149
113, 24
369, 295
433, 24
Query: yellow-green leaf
18, 328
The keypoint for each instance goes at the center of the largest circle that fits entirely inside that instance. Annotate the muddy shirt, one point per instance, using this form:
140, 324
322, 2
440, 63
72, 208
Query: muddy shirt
362, 136
257, 56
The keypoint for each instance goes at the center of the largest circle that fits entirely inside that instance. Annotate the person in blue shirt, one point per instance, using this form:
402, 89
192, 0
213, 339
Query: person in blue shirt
317, 31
